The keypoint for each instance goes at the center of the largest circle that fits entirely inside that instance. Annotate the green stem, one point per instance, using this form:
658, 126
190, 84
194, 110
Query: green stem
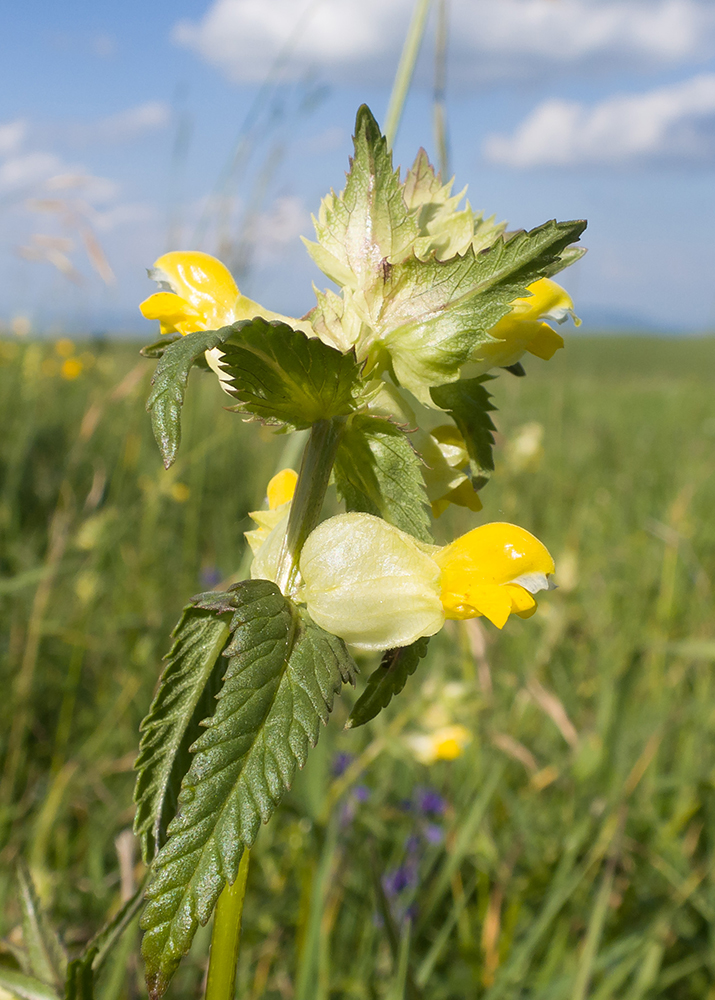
405, 69
225, 937
439, 108
310, 489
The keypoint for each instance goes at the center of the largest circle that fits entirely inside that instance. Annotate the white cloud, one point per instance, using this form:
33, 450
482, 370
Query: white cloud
129, 124
674, 123
12, 135
286, 220
25, 171
347, 39
124, 214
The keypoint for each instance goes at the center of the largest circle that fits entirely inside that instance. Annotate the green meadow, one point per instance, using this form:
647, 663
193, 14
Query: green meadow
568, 852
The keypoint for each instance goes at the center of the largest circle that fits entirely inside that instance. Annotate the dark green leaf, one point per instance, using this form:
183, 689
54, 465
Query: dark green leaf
377, 471
46, 958
284, 377
25, 987
169, 385
157, 349
515, 369
468, 403
282, 676
388, 680
187, 689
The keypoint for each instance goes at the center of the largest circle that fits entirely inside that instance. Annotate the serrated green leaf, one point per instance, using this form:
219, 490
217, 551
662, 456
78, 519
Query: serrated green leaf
565, 259
25, 987
368, 224
169, 385
282, 676
284, 377
186, 693
387, 681
158, 348
469, 404
377, 471
436, 314
46, 958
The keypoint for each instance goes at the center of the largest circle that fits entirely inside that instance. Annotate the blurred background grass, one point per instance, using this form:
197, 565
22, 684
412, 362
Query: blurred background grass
567, 853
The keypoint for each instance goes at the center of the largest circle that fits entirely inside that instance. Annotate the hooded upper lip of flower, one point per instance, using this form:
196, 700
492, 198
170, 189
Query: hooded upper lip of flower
524, 328
197, 292
377, 587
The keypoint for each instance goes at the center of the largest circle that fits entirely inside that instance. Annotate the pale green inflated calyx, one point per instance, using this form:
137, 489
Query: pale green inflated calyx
370, 583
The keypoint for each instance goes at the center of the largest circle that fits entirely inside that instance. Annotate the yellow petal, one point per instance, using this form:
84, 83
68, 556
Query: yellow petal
463, 495
175, 314
545, 342
546, 298
523, 330
483, 572
281, 488
446, 743
203, 281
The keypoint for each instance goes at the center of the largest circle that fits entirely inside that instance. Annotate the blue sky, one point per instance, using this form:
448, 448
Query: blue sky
129, 129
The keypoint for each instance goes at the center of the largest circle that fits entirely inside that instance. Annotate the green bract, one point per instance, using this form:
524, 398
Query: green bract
422, 282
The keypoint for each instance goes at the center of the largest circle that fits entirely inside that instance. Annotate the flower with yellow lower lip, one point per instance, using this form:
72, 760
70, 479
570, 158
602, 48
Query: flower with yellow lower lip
524, 329
378, 588
197, 292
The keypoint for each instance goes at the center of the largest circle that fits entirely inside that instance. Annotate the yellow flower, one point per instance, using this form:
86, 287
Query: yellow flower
377, 587
71, 369
266, 540
493, 570
524, 329
198, 293
447, 743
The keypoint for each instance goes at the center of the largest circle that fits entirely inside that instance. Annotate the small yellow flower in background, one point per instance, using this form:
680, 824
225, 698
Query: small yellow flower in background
524, 329
180, 492
524, 449
71, 369
447, 743
64, 347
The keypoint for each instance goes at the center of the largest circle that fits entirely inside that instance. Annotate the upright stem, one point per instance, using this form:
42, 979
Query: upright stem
313, 478
405, 68
225, 937
439, 108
